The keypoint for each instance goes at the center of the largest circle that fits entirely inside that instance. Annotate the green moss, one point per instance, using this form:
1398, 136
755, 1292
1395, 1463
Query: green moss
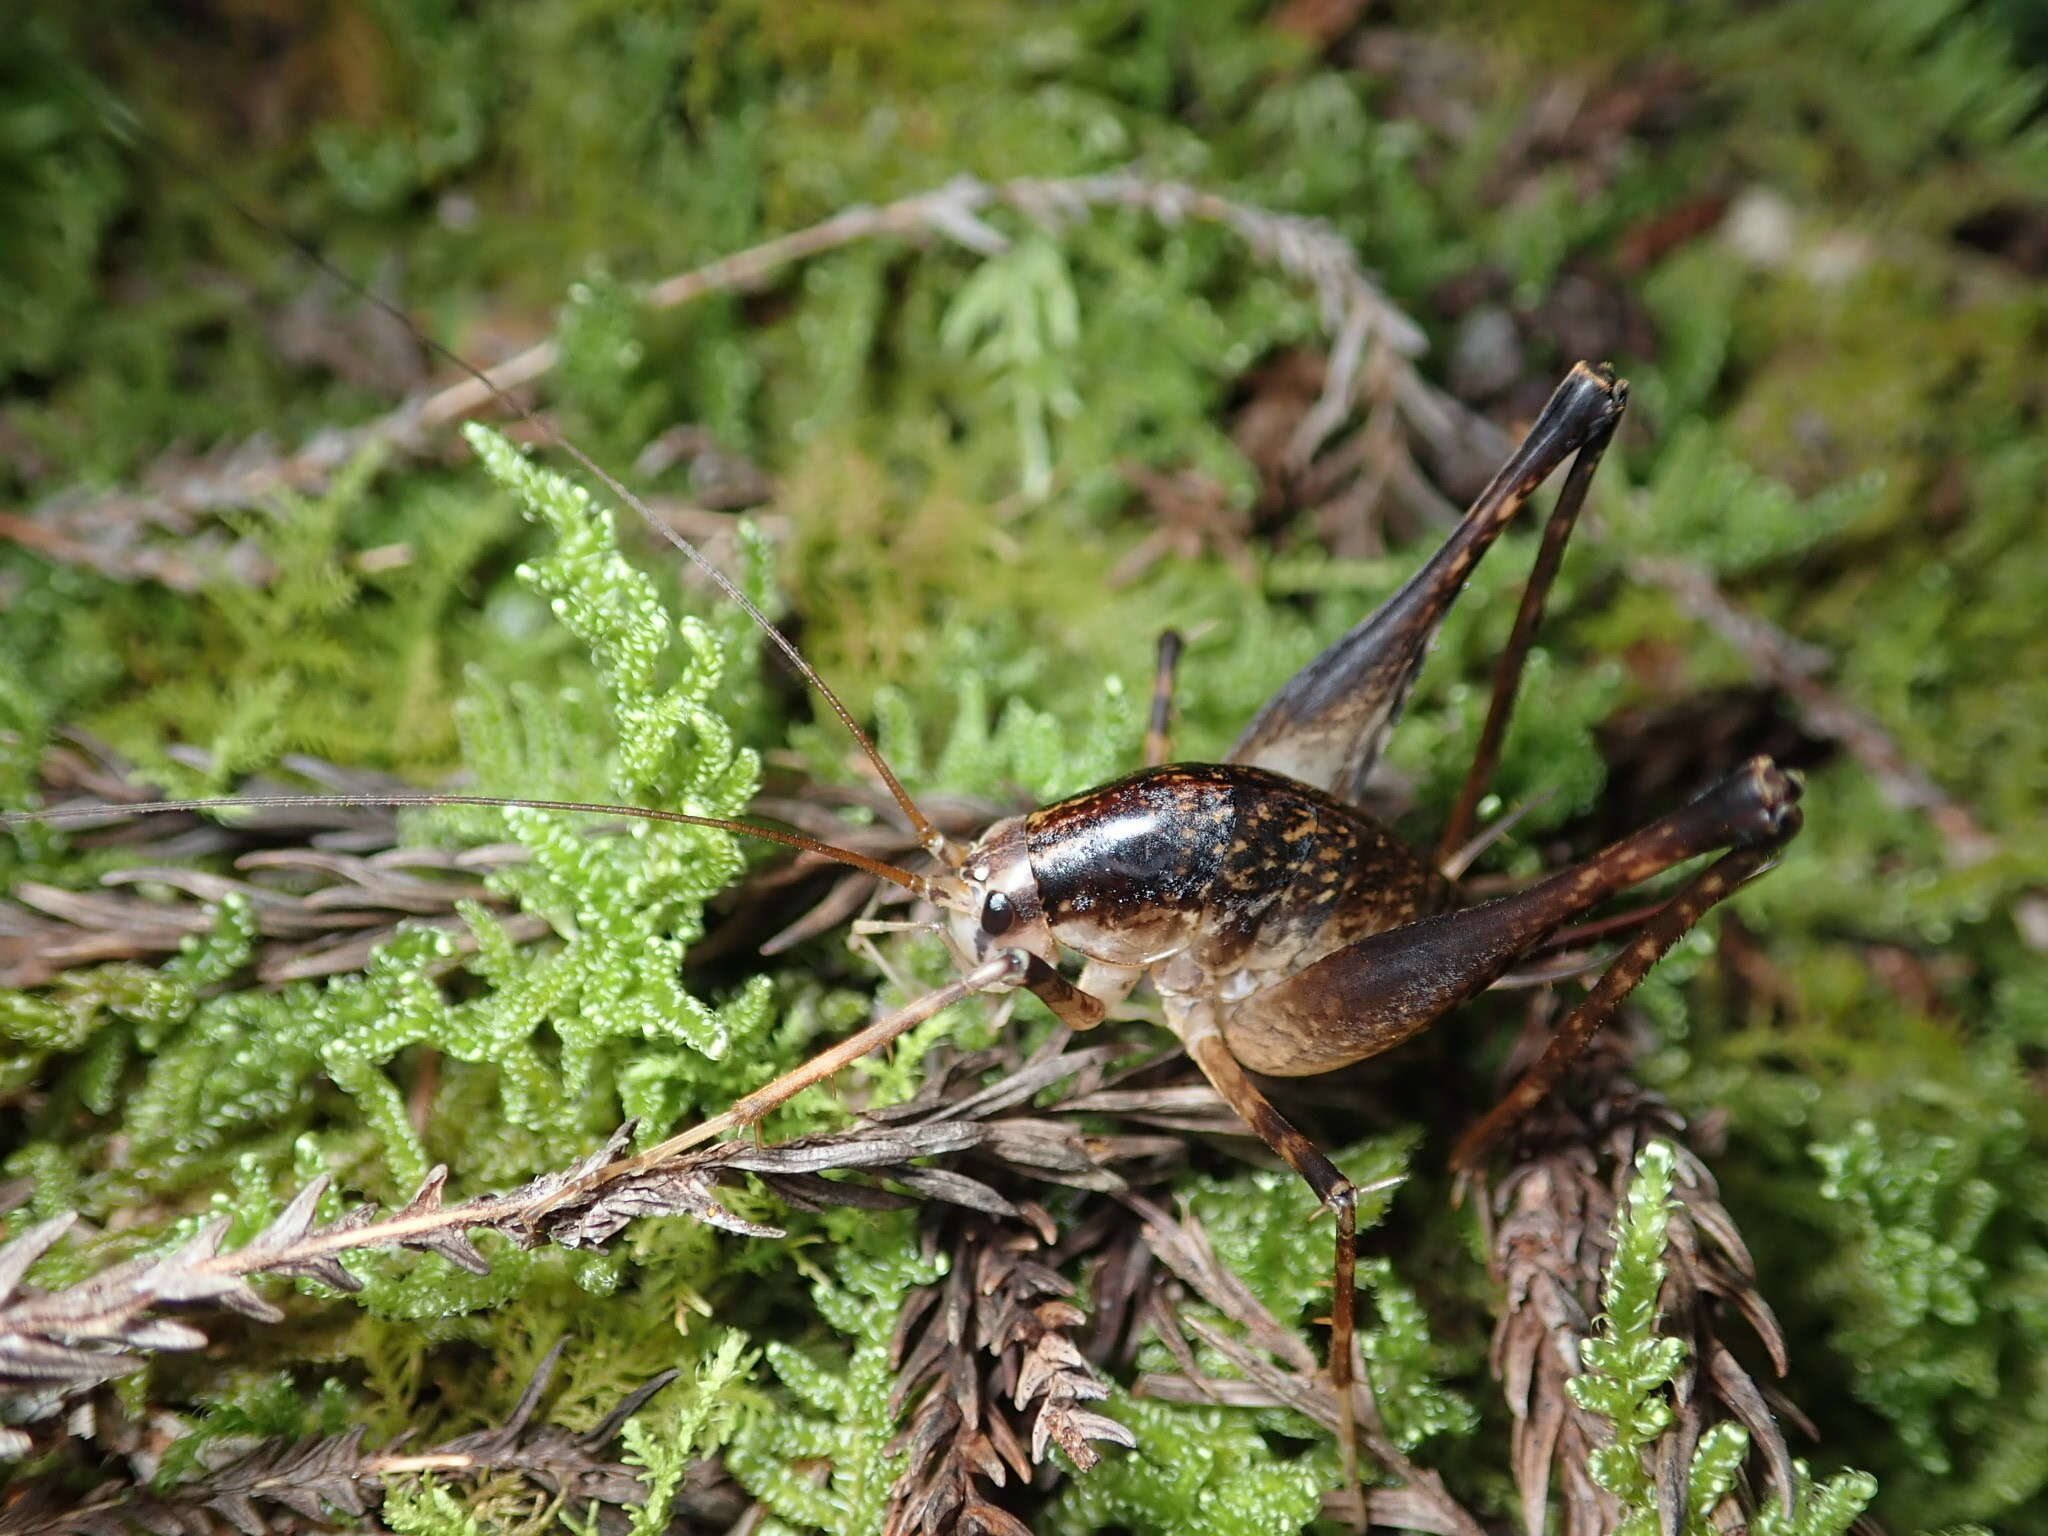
842, 1421
1844, 428
1629, 1376
1204, 1471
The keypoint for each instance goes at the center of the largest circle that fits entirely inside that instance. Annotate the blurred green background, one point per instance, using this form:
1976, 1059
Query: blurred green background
1812, 234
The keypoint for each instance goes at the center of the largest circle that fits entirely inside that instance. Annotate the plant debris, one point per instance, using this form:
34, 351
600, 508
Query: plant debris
59, 1341
1279, 1369
988, 1367
248, 1483
1553, 1223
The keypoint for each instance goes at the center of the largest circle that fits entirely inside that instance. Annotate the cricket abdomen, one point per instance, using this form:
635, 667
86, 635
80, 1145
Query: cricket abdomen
1228, 865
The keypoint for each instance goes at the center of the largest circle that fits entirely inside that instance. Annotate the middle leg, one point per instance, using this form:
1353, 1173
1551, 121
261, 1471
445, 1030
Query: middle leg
1196, 1026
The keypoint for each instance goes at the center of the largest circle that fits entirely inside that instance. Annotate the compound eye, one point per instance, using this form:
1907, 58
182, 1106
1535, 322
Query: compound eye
998, 915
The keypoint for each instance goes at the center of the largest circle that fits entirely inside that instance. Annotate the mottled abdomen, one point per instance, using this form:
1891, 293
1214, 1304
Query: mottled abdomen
1238, 869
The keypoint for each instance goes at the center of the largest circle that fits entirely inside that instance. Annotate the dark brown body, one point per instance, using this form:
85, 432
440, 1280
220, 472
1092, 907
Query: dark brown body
1282, 927
1238, 872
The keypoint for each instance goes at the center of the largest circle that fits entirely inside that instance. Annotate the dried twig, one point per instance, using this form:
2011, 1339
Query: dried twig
1796, 667
988, 1357
244, 1482
1006, 1304
124, 560
332, 928
1372, 338
329, 884
56, 1342
1279, 1369
1553, 1232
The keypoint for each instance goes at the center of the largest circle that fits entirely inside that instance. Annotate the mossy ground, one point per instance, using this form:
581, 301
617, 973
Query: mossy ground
1839, 413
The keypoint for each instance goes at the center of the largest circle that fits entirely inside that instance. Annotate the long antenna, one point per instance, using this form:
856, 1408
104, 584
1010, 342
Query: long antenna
917, 885
128, 126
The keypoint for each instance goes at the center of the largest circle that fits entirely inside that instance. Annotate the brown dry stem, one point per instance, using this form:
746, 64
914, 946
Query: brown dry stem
255, 1486
55, 1343
1372, 339
1279, 1369
990, 1358
1553, 1220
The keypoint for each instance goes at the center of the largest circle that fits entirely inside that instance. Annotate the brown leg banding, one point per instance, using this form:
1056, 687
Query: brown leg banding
1159, 730
1623, 974
1075, 1008
1507, 677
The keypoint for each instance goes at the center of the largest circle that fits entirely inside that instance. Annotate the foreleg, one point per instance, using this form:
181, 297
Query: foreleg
1075, 1007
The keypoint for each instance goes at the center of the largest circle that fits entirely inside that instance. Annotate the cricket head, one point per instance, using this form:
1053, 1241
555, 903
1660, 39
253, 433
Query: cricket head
996, 904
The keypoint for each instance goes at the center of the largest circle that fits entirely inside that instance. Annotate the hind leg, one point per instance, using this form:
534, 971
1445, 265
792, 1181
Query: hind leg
1507, 677
1623, 974
1372, 995
1327, 725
